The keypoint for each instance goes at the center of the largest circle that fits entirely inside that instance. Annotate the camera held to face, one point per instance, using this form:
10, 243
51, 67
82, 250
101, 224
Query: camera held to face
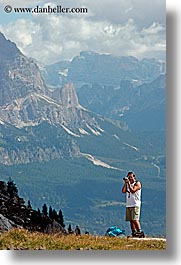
125, 178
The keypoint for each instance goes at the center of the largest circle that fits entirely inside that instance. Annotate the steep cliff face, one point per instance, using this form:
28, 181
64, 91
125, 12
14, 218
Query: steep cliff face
19, 75
40, 143
77, 118
35, 126
35, 108
26, 101
69, 97
8, 49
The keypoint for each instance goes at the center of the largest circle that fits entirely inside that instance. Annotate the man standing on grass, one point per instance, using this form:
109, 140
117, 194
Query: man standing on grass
132, 188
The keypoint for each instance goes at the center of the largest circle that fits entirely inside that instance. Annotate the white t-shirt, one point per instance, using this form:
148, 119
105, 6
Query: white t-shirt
133, 199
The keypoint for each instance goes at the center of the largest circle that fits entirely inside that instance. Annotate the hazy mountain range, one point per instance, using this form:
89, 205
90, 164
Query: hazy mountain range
70, 131
121, 88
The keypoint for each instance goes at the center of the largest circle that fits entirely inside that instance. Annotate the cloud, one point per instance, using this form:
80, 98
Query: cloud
53, 37
20, 3
154, 28
143, 12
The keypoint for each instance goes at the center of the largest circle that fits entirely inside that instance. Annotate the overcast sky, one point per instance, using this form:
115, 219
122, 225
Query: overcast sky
118, 27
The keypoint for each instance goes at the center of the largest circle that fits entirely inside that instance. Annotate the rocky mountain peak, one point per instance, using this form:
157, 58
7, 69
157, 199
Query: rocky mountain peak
19, 75
68, 96
8, 49
26, 101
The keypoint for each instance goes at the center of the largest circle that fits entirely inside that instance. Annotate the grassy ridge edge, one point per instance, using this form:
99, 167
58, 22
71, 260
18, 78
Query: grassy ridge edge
20, 239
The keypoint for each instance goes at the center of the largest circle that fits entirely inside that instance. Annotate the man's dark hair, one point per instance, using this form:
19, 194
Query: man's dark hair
131, 172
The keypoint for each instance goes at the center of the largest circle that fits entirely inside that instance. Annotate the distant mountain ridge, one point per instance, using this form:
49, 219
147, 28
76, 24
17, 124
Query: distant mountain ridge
120, 88
136, 106
91, 67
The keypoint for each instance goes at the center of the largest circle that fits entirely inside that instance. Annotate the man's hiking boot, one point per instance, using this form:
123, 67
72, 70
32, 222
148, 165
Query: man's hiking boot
139, 234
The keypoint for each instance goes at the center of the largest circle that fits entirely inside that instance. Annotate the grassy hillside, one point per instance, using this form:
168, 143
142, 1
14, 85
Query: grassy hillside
19, 239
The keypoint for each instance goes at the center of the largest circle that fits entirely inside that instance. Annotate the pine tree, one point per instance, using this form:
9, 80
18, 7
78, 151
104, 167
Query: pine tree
39, 212
44, 210
54, 215
70, 231
39, 216
11, 188
60, 218
50, 213
29, 205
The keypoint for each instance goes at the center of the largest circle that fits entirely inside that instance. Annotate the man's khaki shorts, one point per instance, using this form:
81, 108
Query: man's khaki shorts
132, 213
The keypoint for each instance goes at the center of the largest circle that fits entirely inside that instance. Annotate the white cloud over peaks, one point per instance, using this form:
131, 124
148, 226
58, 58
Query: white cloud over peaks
154, 28
21, 32
53, 37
